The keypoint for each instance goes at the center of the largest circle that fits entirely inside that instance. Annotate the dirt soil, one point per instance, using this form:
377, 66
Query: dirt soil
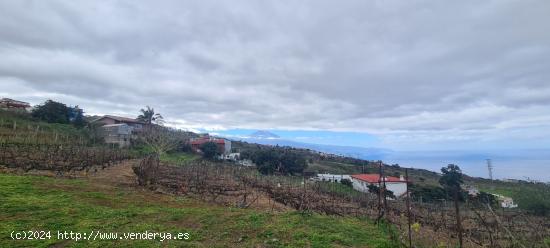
120, 174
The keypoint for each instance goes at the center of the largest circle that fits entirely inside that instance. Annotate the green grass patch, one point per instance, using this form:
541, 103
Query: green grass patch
49, 204
178, 157
338, 188
534, 197
20, 127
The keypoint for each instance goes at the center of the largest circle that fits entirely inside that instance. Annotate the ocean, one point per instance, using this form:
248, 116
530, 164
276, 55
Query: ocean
524, 165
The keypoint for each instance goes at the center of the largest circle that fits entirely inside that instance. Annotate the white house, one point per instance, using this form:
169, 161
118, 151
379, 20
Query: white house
397, 185
331, 177
506, 202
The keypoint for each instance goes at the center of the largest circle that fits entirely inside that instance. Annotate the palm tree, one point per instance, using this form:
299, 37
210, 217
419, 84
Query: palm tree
149, 116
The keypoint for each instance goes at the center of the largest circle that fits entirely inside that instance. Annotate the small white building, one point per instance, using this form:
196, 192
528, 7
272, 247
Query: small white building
397, 185
331, 177
472, 191
506, 202
245, 162
235, 156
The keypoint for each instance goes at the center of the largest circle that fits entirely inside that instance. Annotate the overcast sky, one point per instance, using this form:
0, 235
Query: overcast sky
413, 74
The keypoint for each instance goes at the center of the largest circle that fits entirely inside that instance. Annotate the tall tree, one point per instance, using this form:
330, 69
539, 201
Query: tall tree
149, 116
451, 180
52, 112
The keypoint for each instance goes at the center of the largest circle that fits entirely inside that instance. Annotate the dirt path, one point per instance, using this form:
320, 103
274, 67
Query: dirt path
120, 174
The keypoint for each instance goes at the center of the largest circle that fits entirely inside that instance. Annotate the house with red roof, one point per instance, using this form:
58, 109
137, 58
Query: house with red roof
224, 145
398, 185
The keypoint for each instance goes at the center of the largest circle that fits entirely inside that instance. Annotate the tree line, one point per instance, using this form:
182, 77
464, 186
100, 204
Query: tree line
55, 112
277, 160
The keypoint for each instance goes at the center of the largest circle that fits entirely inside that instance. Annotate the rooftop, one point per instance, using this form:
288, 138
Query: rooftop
375, 178
14, 102
200, 141
121, 119
116, 125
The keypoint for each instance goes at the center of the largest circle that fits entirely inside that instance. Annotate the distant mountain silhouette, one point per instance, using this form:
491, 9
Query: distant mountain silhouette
261, 134
268, 138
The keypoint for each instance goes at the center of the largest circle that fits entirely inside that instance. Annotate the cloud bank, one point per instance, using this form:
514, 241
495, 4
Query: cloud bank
415, 73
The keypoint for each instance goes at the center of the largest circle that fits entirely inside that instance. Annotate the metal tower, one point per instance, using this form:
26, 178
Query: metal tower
490, 168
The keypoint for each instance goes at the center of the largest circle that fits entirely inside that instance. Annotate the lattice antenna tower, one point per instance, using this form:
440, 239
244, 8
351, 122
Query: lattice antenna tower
490, 168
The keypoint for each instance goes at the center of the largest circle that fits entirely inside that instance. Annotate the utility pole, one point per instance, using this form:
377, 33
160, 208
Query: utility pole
380, 213
458, 221
408, 206
384, 185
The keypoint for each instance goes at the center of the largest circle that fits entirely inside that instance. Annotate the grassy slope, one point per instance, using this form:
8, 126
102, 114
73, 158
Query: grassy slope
42, 203
333, 167
40, 131
526, 195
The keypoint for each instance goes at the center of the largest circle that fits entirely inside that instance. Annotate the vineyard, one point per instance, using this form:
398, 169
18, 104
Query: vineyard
240, 186
16, 128
59, 158
26, 144
63, 150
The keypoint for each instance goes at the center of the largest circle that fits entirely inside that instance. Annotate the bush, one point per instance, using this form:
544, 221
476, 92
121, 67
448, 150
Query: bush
376, 190
484, 198
346, 182
209, 150
271, 161
428, 193
534, 203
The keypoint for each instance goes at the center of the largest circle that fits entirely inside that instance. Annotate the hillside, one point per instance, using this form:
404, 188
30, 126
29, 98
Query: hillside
220, 204
22, 128
86, 205
268, 138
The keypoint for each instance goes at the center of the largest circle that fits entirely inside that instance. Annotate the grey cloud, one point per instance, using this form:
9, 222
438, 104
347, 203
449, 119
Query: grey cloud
384, 67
